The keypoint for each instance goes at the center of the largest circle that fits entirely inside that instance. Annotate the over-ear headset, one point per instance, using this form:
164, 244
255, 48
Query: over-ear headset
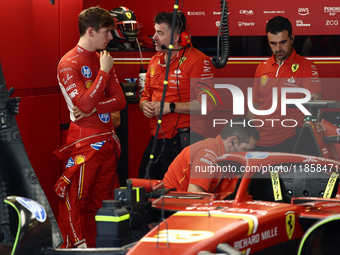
185, 36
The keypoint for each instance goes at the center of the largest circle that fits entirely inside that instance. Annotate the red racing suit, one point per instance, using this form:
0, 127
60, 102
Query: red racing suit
192, 64
194, 160
294, 72
92, 147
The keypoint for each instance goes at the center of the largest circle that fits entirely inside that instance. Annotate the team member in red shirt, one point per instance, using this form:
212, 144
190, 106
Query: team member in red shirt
92, 92
284, 69
203, 154
182, 105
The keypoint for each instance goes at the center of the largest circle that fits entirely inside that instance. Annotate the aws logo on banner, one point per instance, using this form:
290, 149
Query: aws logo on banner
238, 100
303, 11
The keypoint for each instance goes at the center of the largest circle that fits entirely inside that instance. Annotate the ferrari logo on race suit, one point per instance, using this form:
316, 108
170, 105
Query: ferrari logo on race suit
128, 14
290, 224
295, 67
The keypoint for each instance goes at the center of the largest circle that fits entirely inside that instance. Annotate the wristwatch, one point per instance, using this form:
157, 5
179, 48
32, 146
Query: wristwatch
172, 107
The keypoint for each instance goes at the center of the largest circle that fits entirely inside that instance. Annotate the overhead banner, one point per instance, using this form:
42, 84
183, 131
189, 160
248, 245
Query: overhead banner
246, 18
250, 17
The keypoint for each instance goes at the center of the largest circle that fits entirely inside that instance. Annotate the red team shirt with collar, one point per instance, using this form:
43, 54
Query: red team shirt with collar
193, 64
294, 72
83, 84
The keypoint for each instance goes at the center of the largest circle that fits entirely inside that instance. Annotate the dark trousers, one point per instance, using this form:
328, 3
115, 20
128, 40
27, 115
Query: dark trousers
163, 157
285, 146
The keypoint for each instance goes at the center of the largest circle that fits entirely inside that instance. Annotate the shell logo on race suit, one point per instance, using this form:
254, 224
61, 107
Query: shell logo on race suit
97, 145
34, 208
80, 159
104, 117
86, 71
88, 84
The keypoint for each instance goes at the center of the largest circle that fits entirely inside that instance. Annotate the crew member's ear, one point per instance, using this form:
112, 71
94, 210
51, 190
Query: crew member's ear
176, 37
292, 38
233, 140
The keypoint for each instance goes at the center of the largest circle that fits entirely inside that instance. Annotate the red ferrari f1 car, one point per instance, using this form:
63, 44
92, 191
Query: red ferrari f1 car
279, 203
276, 203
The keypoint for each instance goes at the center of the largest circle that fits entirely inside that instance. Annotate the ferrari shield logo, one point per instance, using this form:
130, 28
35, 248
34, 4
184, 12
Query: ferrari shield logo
295, 67
128, 14
290, 224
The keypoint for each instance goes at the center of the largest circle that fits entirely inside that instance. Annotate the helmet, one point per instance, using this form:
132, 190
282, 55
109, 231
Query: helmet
126, 24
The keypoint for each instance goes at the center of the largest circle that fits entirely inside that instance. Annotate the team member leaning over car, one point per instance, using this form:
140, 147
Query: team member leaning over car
236, 136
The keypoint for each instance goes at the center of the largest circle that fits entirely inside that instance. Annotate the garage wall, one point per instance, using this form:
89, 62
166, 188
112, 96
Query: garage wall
29, 54
36, 34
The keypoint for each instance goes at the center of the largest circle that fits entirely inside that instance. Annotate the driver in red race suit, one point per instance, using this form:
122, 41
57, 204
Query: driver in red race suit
188, 172
92, 92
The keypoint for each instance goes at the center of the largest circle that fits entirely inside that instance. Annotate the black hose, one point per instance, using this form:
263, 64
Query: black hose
224, 34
